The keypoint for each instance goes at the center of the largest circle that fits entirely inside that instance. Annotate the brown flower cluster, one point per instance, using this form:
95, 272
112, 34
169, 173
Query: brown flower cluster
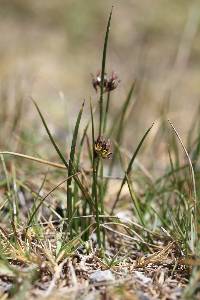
110, 82
102, 148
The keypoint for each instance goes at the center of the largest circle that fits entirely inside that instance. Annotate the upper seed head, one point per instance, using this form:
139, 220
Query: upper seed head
110, 82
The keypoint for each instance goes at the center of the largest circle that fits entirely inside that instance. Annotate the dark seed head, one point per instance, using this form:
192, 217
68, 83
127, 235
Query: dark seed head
102, 148
110, 82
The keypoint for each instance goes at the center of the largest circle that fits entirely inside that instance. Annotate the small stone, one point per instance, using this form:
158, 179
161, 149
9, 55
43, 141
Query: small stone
142, 278
101, 276
142, 296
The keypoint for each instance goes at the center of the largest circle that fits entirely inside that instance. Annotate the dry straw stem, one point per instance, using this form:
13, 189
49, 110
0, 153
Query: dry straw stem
50, 163
36, 159
190, 163
155, 258
194, 198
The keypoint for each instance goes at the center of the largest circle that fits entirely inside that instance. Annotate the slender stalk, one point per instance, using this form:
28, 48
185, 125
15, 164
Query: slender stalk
95, 164
95, 195
76, 190
71, 172
106, 112
103, 74
101, 197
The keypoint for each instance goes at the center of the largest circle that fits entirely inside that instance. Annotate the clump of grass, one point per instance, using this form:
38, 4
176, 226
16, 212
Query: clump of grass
164, 217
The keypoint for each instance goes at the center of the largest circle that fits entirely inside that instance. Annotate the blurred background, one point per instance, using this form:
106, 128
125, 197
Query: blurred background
49, 48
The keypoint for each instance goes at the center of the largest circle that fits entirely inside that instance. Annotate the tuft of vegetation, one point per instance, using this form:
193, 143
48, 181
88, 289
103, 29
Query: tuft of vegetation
146, 233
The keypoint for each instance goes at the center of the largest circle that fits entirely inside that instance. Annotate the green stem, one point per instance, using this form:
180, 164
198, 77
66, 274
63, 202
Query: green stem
106, 112
103, 74
94, 192
101, 197
69, 205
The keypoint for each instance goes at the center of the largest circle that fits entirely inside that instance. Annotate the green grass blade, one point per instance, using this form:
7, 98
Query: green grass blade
103, 72
50, 136
82, 142
44, 198
82, 188
119, 133
36, 199
74, 140
122, 114
71, 169
76, 189
135, 202
130, 166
